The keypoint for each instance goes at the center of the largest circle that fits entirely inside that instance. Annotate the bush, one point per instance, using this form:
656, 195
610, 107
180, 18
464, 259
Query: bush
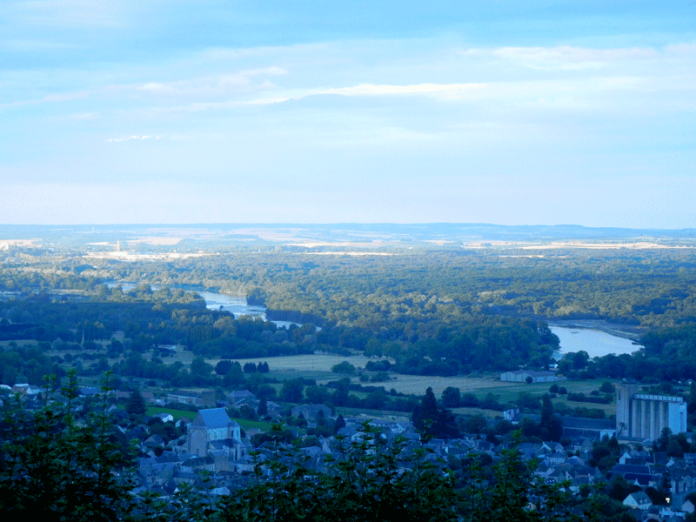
378, 366
468, 400
345, 367
606, 387
380, 377
581, 397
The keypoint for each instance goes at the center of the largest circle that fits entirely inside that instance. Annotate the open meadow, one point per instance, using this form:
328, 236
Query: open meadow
318, 367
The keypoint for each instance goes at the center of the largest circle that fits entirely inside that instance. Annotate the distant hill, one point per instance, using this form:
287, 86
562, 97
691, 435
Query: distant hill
356, 234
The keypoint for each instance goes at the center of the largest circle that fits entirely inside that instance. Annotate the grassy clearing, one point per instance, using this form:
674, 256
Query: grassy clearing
253, 425
318, 367
310, 363
417, 384
177, 414
489, 414
396, 416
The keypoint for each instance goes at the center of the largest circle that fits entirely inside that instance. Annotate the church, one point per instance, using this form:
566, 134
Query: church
212, 431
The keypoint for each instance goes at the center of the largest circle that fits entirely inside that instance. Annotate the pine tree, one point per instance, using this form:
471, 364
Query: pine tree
263, 407
426, 414
340, 423
136, 403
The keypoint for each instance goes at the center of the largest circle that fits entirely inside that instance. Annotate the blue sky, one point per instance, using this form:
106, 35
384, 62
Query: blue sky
365, 111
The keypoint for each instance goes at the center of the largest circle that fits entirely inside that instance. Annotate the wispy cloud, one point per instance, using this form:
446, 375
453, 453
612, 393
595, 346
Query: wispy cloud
131, 138
568, 57
452, 90
211, 85
578, 71
444, 91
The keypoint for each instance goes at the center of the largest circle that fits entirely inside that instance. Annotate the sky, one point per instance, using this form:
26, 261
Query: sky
326, 111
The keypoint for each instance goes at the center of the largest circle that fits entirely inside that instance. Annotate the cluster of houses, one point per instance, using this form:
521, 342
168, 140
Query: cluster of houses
214, 443
643, 470
211, 441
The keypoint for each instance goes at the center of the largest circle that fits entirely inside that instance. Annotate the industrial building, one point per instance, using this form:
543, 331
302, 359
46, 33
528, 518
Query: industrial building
534, 376
644, 416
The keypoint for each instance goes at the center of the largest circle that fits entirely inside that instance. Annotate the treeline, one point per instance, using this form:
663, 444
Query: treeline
649, 288
421, 287
145, 321
149, 319
436, 312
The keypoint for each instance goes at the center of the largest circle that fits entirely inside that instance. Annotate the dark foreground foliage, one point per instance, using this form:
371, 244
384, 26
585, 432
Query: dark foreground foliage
52, 466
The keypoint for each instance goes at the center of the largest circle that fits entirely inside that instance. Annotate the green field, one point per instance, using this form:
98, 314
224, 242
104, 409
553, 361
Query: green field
253, 425
177, 414
318, 367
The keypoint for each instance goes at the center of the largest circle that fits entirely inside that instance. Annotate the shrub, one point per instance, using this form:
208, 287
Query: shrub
345, 367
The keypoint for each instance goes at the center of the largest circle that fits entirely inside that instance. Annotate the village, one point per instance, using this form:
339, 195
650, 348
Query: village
650, 478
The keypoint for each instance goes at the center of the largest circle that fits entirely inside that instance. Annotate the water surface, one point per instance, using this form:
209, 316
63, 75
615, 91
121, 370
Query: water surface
595, 342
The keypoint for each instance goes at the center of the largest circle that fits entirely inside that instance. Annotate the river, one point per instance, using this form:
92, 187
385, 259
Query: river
595, 342
236, 305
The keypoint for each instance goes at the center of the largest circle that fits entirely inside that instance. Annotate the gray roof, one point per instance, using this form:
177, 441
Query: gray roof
533, 373
240, 394
213, 418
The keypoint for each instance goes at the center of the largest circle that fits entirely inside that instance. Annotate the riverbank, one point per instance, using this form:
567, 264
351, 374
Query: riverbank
596, 343
630, 332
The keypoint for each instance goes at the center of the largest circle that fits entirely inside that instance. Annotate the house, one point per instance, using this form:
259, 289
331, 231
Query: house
205, 398
311, 411
27, 389
641, 475
209, 426
688, 506
167, 350
638, 500
164, 417
88, 391
594, 429
240, 397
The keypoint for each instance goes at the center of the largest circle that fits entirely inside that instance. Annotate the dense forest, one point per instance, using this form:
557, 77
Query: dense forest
406, 290
431, 311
